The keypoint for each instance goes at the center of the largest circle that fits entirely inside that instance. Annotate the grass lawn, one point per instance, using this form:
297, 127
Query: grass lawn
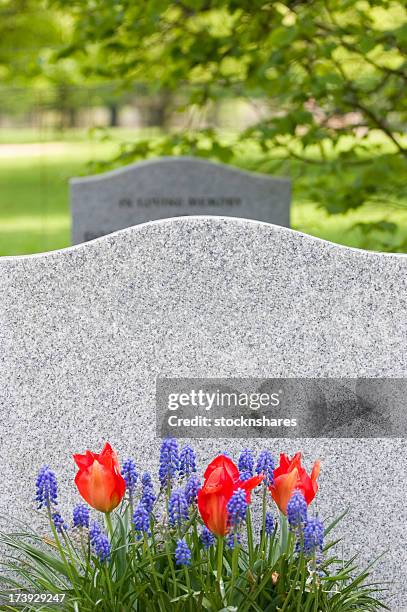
34, 199
34, 204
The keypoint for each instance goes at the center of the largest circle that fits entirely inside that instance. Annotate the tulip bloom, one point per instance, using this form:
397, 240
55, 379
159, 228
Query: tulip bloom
290, 476
221, 479
99, 480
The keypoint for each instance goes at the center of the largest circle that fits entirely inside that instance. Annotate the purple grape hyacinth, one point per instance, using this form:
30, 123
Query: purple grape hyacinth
182, 553
94, 531
187, 461
146, 480
245, 475
141, 519
148, 496
130, 476
233, 539
313, 536
192, 488
100, 542
59, 522
269, 526
177, 508
236, 507
46, 488
80, 517
246, 464
265, 466
169, 462
207, 538
297, 510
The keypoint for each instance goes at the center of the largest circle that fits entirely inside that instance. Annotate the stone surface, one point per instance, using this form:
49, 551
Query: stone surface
85, 332
173, 187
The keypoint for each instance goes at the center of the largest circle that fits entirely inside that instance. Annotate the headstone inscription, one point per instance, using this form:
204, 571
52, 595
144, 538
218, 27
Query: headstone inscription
173, 187
86, 332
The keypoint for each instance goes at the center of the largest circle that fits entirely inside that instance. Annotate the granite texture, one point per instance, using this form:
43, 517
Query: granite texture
173, 187
85, 331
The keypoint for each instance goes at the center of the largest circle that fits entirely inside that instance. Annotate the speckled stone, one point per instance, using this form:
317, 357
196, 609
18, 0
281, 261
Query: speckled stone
173, 187
84, 333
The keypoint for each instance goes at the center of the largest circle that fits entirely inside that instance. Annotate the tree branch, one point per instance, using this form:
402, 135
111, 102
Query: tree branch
380, 123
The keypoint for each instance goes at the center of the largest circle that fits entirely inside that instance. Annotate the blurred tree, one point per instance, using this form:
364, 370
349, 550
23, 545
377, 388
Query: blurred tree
333, 73
32, 35
25, 28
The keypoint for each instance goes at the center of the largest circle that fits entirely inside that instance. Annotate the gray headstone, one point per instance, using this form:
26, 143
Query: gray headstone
85, 333
173, 187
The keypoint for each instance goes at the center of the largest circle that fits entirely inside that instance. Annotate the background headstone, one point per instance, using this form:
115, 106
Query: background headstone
173, 187
86, 331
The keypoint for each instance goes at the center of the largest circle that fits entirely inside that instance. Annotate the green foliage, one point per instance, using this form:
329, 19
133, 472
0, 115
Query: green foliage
142, 574
32, 35
25, 26
329, 76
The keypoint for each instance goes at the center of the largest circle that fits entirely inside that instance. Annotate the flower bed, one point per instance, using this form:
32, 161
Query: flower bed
244, 538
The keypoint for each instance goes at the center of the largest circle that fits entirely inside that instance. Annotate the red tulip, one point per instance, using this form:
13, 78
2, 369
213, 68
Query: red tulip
221, 479
99, 480
290, 476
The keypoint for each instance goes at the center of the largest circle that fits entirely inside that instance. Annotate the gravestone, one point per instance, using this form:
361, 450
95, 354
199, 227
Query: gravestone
173, 187
88, 333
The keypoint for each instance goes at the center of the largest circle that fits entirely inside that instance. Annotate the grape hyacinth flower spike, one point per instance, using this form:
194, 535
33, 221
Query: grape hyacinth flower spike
141, 519
232, 540
265, 466
236, 507
187, 461
297, 510
130, 476
192, 488
313, 536
269, 524
80, 517
148, 496
182, 553
177, 508
207, 538
169, 462
46, 488
246, 462
99, 542
146, 480
59, 523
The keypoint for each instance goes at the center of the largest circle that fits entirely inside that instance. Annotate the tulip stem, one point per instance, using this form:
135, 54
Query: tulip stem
108, 520
283, 533
220, 558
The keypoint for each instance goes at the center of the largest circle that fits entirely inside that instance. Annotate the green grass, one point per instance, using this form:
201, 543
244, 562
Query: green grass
34, 195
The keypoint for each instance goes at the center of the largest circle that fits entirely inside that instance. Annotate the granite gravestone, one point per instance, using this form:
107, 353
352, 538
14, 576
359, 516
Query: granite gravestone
86, 332
173, 187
